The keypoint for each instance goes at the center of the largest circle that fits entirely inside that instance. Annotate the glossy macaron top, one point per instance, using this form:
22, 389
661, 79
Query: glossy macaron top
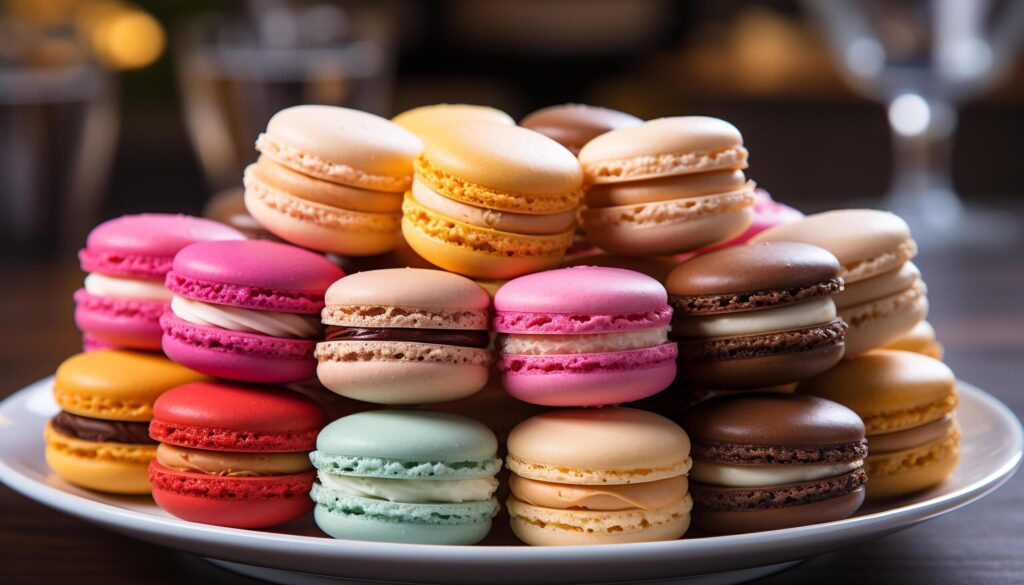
770, 418
342, 145
419, 288
574, 125
194, 414
754, 267
116, 384
409, 436
254, 274
144, 245
425, 120
696, 136
884, 381
506, 158
619, 441
867, 242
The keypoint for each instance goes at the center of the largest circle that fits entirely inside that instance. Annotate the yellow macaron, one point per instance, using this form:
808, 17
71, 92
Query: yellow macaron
426, 121
907, 401
492, 201
100, 439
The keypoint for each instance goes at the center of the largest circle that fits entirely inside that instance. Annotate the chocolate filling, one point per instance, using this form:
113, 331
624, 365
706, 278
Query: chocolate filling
101, 431
460, 338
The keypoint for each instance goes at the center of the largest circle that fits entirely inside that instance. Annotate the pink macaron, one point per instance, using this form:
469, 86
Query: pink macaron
127, 259
768, 213
247, 311
584, 336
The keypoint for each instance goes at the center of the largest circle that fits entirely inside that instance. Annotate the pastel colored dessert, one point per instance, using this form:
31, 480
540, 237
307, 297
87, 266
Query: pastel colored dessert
406, 476
228, 207
907, 402
766, 461
247, 311
492, 201
100, 438
921, 339
584, 336
756, 315
598, 476
884, 297
768, 213
127, 259
573, 125
425, 121
331, 179
405, 336
234, 455
666, 186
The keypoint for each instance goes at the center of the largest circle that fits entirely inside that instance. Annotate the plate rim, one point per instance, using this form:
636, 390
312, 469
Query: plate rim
125, 520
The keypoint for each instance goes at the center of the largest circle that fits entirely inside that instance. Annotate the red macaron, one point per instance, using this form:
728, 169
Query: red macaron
234, 455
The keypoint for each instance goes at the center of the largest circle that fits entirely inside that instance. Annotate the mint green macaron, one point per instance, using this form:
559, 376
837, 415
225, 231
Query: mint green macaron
406, 476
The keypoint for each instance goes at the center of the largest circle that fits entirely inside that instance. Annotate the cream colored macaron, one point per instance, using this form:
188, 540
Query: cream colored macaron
598, 476
426, 121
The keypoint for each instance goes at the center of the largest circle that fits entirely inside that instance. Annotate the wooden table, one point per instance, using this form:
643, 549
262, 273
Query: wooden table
977, 307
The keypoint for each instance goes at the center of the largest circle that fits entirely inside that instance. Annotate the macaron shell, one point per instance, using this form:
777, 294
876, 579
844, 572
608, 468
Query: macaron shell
921, 339
425, 121
236, 502
589, 379
710, 521
409, 288
354, 527
107, 467
597, 290
116, 384
319, 227
275, 177
539, 526
666, 188
617, 233
759, 372
127, 323
875, 324
905, 472
235, 355
767, 214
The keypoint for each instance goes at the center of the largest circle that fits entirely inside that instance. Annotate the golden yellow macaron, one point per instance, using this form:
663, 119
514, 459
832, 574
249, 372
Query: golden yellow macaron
907, 401
921, 339
492, 201
100, 439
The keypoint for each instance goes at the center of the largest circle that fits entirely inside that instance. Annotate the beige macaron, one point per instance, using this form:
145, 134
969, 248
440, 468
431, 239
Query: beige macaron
426, 121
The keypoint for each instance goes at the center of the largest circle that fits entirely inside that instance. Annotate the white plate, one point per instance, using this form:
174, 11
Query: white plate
298, 553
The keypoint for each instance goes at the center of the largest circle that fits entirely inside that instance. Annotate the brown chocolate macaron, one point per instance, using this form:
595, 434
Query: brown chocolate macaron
573, 125
756, 315
765, 461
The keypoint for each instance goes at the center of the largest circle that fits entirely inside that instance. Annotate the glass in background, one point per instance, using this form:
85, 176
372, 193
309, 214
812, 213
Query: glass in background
236, 70
923, 59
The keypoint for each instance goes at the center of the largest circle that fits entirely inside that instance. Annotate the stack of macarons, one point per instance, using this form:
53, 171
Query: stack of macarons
405, 336
331, 179
598, 476
100, 438
884, 296
584, 336
127, 259
247, 311
666, 186
233, 455
492, 201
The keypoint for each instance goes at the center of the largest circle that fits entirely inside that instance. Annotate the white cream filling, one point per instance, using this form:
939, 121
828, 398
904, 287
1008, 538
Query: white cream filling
815, 312
102, 285
727, 475
412, 491
270, 323
592, 343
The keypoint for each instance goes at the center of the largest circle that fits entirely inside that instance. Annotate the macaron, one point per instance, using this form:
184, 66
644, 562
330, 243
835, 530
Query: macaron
884, 297
233, 455
584, 336
606, 476
100, 438
573, 125
907, 402
425, 121
768, 213
247, 311
666, 186
921, 339
492, 201
756, 315
766, 461
331, 179
405, 336
406, 476
127, 259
